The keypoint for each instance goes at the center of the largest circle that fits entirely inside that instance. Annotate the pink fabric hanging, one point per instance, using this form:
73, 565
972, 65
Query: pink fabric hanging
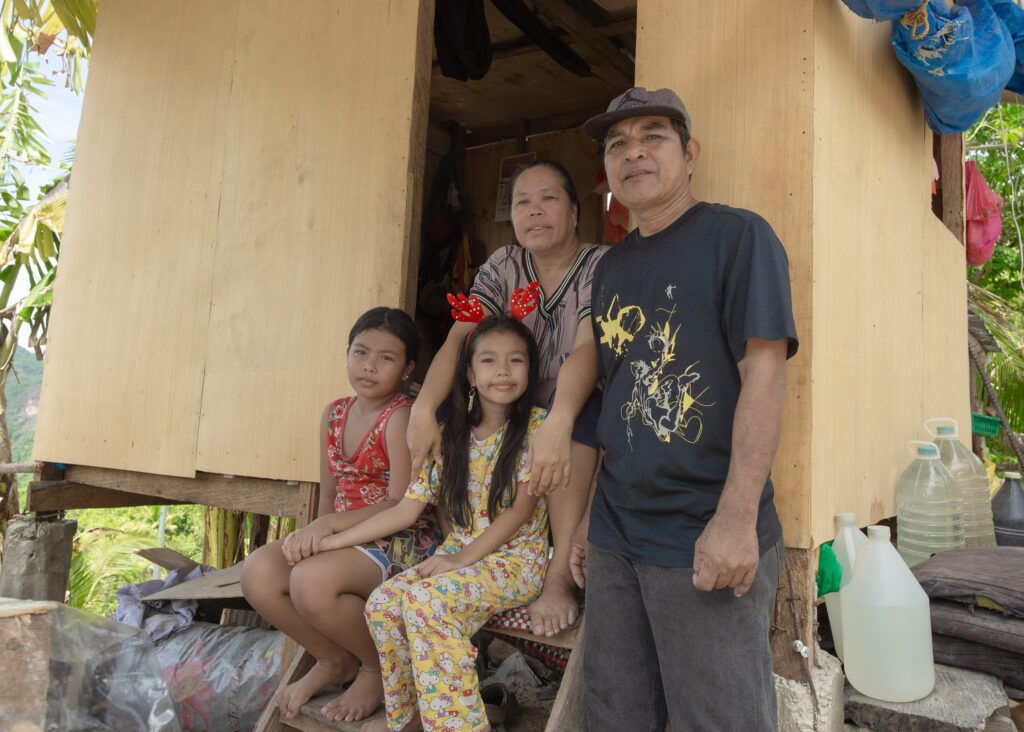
984, 217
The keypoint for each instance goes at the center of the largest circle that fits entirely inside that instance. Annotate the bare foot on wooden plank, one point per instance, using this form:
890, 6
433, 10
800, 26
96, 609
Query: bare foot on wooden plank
359, 701
324, 673
556, 609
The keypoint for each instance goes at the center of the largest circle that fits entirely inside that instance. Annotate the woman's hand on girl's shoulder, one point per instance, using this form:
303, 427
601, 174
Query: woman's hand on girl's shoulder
424, 439
439, 564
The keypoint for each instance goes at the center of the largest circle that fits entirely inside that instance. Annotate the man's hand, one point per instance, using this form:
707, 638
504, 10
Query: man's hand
726, 553
439, 564
424, 438
304, 542
549, 457
578, 551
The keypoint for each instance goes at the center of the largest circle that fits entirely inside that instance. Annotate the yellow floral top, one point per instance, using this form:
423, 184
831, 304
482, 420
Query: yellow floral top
530, 542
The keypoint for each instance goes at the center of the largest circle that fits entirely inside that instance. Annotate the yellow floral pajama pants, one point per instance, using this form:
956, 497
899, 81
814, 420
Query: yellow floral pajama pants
422, 628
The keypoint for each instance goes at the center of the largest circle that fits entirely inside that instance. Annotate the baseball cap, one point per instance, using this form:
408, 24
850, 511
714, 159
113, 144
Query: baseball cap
638, 102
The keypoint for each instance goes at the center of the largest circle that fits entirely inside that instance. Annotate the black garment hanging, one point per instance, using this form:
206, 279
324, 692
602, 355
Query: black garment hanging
462, 39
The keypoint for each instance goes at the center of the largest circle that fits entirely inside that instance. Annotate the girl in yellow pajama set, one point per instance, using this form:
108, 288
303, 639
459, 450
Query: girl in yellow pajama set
493, 559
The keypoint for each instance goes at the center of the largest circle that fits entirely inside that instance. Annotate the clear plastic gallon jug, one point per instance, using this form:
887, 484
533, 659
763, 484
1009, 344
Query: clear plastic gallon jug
848, 540
1008, 510
929, 507
969, 472
887, 628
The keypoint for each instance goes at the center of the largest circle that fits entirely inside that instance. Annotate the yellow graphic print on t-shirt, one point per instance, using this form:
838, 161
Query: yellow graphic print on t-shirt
665, 401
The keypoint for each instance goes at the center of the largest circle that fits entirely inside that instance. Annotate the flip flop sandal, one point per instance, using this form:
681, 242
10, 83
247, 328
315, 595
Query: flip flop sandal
499, 703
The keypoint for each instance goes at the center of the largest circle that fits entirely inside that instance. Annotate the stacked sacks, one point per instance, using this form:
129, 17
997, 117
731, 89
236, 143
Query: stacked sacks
977, 610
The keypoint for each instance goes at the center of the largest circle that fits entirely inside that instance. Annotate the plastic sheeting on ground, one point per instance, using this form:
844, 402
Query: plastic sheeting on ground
101, 676
961, 60
220, 677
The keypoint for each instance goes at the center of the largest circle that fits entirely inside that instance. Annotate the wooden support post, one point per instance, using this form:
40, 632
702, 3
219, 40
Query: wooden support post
950, 194
37, 559
794, 617
569, 712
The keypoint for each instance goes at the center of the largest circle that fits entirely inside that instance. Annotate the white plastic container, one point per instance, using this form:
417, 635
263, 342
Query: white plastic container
929, 507
847, 542
886, 625
970, 474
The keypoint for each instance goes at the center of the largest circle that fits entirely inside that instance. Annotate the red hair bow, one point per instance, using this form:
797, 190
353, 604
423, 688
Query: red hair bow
524, 301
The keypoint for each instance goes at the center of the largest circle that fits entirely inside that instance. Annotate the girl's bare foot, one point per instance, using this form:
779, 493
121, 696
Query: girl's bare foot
324, 673
381, 725
359, 701
556, 608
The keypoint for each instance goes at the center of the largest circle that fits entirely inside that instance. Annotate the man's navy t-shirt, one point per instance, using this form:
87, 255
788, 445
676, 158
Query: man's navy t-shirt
672, 314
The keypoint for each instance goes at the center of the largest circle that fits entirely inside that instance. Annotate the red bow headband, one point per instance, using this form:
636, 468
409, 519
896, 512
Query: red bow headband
524, 301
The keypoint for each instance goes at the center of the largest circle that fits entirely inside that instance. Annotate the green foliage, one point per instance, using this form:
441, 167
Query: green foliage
997, 288
994, 143
104, 556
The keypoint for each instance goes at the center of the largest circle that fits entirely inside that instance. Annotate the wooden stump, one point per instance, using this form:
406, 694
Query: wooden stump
37, 559
793, 618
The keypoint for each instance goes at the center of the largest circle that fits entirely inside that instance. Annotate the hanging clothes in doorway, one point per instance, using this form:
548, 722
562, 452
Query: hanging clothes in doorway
462, 39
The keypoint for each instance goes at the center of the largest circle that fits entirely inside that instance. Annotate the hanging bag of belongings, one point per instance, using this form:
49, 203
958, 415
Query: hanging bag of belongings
1012, 16
984, 216
961, 59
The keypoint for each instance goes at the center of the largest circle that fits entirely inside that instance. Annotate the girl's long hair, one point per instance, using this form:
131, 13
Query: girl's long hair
454, 494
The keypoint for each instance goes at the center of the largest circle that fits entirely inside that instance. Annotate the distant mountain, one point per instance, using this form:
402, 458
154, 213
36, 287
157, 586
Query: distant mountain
23, 385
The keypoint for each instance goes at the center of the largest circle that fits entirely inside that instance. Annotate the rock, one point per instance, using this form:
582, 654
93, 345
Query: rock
797, 710
962, 701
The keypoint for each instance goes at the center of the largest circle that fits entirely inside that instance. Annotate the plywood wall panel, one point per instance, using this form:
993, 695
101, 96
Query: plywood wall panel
889, 286
128, 330
745, 71
247, 183
315, 221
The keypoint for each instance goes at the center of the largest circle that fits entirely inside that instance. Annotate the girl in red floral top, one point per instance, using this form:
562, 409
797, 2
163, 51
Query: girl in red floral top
317, 597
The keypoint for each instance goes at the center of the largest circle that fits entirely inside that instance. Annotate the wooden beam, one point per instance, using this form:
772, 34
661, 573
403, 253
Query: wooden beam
525, 47
569, 711
513, 130
258, 495
793, 618
950, 194
61, 495
564, 15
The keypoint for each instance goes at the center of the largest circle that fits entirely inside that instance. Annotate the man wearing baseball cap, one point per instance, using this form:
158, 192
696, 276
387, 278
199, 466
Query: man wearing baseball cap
693, 321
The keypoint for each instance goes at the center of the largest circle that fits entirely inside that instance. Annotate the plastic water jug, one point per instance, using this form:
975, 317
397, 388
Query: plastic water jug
848, 540
970, 474
887, 627
929, 507
1008, 510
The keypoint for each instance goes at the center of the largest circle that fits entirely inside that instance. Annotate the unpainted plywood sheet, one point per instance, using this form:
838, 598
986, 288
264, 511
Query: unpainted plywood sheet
889, 287
315, 219
744, 71
246, 185
128, 330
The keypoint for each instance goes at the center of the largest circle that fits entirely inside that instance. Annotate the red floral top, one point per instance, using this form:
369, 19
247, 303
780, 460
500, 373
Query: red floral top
362, 477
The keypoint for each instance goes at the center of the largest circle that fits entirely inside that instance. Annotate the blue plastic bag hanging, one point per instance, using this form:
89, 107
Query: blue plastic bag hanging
882, 9
960, 58
1012, 16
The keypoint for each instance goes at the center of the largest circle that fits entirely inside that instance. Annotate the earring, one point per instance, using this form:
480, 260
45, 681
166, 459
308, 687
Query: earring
472, 397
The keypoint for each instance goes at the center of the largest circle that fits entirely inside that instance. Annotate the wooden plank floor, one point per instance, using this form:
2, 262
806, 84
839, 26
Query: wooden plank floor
311, 721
